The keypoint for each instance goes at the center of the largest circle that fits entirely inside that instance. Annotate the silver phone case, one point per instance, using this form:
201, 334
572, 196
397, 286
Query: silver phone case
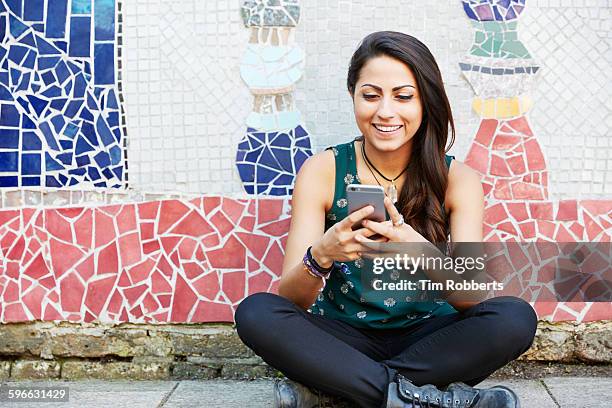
362, 195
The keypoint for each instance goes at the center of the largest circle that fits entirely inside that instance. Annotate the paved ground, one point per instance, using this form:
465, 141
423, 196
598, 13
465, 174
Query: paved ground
565, 392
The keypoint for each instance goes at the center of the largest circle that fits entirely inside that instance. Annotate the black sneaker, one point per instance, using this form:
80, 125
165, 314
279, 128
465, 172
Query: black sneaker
291, 394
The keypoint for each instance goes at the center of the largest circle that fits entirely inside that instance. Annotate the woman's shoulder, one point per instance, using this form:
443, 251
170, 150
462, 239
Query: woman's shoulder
463, 182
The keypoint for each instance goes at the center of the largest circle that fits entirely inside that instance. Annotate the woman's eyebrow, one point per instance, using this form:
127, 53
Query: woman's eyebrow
378, 88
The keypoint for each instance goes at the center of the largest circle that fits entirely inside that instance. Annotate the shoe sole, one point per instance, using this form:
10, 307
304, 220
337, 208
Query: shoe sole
516, 398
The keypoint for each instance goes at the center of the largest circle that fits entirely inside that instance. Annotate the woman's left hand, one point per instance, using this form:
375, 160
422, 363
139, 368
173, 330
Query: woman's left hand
394, 230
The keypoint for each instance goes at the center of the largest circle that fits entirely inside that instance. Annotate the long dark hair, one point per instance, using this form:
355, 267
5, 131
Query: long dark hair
421, 199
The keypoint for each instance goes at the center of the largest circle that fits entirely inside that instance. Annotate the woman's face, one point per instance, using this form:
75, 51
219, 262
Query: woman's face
387, 105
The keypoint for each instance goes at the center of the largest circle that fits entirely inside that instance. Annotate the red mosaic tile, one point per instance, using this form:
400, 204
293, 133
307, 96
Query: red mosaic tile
141, 271
63, 256
257, 244
6, 216
159, 284
233, 209
525, 191
15, 313
192, 270
517, 165
126, 219
187, 248
97, 293
520, 125
150, 247
545, 309
212, 312
234, 285
222, 223
567, 211
563, 235
527, 229
33, 300
133, 295
485, 132
104, 227
108, 260
259, 283
518, 211
278, 228
37, 269
57, 226
130, 249
499, 167
183, 301
274, 259
115, 302
170, 213
599, 311
148, 211
193, 225
597, 207
231, 256
211, 204
86, 268
541, 211
495, 214
71, 293
51, 313
478, 158
83, 228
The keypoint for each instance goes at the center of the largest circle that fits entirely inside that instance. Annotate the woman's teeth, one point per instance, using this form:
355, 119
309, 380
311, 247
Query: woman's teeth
387, 128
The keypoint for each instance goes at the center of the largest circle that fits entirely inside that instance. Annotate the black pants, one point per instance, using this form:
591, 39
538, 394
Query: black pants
358, 364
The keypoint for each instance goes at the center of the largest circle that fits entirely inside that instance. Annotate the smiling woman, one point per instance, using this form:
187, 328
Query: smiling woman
393, 352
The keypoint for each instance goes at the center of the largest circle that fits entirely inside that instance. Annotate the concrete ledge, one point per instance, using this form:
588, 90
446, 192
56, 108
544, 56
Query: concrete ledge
47, 350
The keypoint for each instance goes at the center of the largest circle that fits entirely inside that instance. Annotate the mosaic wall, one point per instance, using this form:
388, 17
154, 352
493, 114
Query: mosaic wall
59, 103
194, 259
189, 53
276, 144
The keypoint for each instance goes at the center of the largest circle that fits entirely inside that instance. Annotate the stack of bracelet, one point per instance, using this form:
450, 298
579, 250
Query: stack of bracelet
314, 269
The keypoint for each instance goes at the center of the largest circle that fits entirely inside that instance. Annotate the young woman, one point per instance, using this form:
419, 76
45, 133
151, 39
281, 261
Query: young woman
323, 334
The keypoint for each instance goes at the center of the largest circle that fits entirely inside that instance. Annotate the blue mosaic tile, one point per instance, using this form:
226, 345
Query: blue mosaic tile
267, 162
56, 18
493, 10
58, 94
33, 10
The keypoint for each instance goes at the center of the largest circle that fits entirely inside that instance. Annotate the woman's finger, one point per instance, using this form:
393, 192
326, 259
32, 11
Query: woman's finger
383, 228
355, 217
392, 210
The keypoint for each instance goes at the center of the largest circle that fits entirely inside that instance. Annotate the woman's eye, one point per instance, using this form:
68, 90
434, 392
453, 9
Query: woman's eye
405, 97
369, 96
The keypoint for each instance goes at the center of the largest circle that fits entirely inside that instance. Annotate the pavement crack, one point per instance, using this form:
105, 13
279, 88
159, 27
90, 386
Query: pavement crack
168, 395
550, 394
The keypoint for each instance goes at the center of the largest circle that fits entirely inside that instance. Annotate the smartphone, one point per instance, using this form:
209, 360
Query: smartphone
360, 195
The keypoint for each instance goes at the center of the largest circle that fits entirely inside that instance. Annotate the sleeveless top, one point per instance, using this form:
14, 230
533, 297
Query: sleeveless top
343, 297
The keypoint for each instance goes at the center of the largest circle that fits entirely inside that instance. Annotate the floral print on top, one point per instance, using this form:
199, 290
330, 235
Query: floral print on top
343, 297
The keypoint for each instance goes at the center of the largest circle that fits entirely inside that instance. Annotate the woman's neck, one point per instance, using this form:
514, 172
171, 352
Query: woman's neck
389, 163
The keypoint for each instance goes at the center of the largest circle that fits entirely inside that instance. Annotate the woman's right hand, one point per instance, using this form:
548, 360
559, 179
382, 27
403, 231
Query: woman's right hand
339, 244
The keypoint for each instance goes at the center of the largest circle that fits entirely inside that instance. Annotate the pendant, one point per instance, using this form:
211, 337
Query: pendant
391, 192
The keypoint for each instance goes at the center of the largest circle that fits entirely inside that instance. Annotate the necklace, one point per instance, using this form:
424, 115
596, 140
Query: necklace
391, 190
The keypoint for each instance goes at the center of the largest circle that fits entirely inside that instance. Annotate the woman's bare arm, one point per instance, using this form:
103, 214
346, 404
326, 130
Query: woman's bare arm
313, 192
465, 198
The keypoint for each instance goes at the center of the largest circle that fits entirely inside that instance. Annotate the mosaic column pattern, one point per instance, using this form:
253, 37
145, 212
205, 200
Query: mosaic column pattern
276, 143
59, 101
501, 71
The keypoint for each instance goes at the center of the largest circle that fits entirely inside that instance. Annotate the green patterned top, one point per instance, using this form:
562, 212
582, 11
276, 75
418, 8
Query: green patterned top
343, 296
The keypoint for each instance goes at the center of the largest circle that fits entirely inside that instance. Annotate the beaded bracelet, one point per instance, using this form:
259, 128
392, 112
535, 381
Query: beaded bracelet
314, 268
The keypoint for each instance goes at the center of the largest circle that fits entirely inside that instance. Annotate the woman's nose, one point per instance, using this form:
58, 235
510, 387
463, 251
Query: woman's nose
385, 109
